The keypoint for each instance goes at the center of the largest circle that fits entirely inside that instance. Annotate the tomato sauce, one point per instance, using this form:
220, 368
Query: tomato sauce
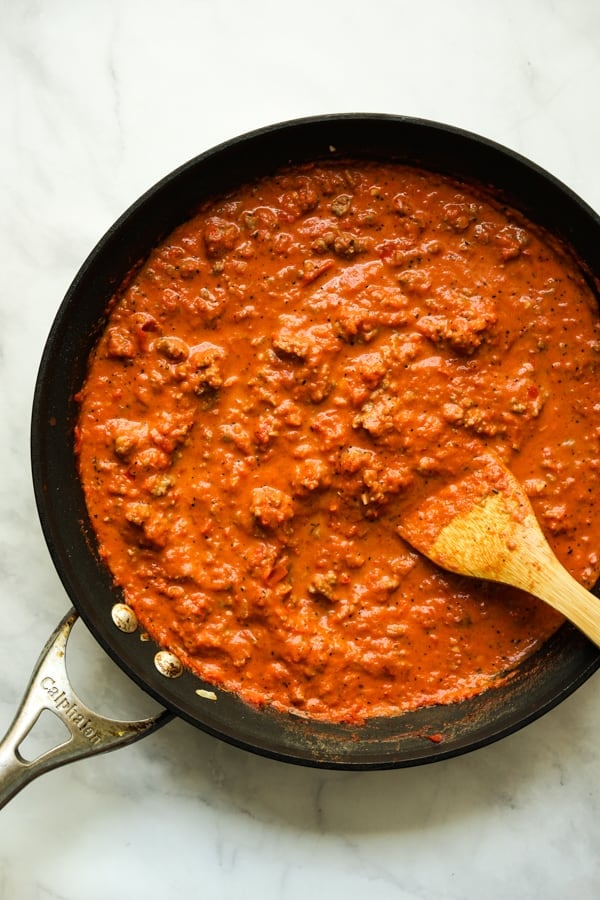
281, 377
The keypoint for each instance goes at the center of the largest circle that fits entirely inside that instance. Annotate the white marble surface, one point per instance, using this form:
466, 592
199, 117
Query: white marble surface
99, 100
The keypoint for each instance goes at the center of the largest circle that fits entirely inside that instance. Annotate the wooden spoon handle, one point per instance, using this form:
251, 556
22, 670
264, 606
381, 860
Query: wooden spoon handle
534, 568
558, 588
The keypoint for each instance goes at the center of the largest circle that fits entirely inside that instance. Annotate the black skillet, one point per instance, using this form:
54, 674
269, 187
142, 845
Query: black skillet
563, 664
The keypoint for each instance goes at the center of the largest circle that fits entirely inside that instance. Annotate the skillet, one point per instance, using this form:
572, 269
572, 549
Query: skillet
418, 737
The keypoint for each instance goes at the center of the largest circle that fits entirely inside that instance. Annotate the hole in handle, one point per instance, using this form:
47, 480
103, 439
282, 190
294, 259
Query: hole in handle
47, 732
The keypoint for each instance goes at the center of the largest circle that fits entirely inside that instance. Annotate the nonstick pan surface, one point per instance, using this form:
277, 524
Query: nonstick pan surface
425, 735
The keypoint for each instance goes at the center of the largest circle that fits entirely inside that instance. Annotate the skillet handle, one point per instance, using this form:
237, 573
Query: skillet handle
89, 733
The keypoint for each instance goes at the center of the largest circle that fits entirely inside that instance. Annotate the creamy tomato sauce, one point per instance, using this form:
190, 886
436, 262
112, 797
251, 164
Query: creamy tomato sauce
286, 373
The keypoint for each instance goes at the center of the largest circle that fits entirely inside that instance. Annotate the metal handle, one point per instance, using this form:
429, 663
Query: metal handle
89, 733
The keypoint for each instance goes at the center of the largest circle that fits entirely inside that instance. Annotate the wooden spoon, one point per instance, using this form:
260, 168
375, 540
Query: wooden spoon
483, 525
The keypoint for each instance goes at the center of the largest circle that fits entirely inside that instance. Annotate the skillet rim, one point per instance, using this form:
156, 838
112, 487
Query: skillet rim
396, 742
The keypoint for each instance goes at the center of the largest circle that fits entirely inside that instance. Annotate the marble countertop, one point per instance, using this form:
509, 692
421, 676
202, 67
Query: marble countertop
100, 100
